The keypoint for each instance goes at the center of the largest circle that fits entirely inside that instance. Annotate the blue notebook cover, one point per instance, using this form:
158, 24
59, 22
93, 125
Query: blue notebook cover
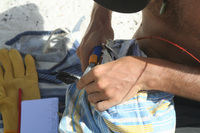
39, 116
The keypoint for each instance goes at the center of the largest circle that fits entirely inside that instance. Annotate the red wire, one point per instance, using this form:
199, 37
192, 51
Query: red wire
160, 38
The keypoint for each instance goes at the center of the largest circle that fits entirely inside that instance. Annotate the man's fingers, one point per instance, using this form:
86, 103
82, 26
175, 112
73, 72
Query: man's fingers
94, 94
83, 55
85, 80
84, 64
92, 88
103, 105
96, 97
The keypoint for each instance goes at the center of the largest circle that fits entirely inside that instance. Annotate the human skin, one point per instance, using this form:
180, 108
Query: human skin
166, 69
98, 31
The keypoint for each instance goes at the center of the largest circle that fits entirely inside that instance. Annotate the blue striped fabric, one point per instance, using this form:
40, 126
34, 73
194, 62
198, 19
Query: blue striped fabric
61, 58
147, 112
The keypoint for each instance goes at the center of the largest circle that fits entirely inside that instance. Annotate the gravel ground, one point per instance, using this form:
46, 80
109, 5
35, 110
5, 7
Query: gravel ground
17, 16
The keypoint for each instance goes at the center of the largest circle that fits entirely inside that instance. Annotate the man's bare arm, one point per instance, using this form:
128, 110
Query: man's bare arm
98, 31
177, 79
110, 84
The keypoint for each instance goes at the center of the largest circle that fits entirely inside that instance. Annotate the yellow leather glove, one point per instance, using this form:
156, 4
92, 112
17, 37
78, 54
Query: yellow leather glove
14, 75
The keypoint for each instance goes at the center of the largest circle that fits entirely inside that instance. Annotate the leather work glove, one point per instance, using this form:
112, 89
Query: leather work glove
14, 75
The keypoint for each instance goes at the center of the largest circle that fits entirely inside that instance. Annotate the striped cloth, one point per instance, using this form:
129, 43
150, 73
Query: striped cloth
146, 112
61, 56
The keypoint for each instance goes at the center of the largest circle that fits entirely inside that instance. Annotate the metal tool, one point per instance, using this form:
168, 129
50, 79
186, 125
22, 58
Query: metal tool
70, 78
94, 58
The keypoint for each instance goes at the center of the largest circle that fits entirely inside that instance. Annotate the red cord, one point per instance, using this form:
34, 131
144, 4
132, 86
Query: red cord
160, 38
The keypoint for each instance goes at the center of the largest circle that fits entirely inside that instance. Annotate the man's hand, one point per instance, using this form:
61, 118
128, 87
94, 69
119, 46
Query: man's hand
98, 31
114, 82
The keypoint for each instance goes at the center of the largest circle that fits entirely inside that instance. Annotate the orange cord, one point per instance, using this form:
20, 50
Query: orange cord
176, 45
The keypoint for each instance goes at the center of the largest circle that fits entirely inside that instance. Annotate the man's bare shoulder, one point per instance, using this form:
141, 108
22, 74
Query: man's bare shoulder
179, 23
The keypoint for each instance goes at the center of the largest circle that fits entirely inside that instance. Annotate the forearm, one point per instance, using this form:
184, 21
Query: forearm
186, 82
177, 79
101, 16
98, 31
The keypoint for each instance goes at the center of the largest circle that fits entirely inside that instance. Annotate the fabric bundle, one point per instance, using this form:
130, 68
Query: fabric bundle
147, 112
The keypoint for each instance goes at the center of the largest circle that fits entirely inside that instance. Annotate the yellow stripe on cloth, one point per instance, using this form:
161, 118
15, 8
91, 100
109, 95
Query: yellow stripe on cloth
76, 114
148, 128
162, 106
